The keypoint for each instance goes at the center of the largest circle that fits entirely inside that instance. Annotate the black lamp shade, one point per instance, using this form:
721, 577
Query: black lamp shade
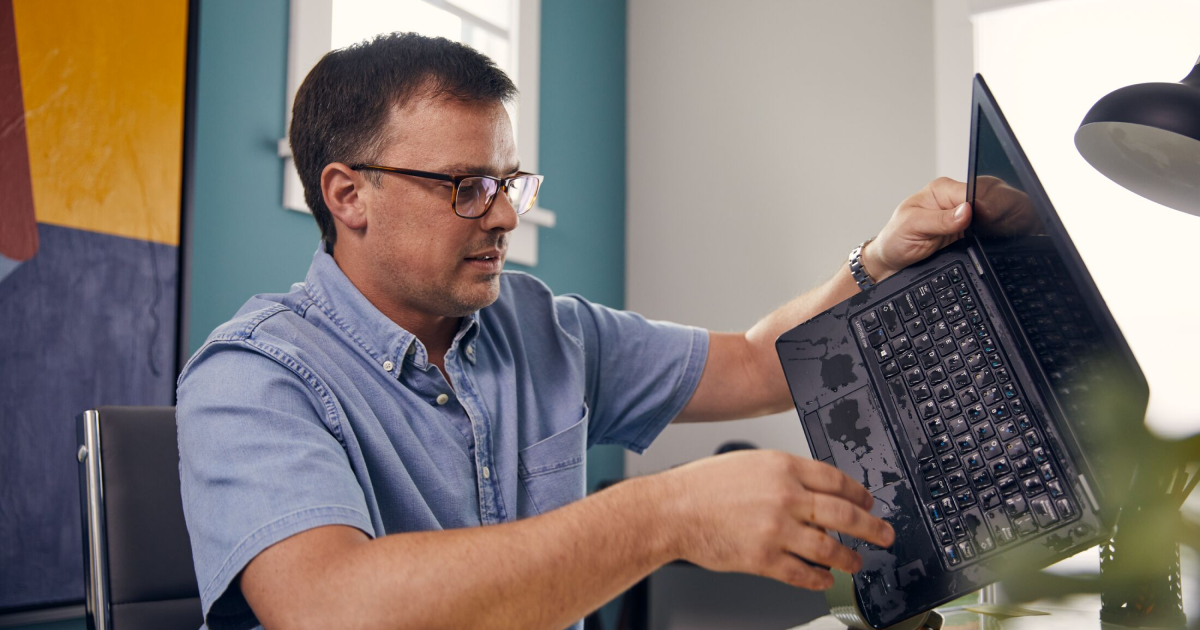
1146, 137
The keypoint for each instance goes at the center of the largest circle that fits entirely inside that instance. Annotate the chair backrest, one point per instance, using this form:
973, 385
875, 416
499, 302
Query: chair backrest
139, 571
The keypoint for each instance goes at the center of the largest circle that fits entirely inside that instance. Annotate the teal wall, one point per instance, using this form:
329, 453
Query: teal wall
244, 241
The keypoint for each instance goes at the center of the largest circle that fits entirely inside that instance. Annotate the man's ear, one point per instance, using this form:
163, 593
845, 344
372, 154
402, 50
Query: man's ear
343, 190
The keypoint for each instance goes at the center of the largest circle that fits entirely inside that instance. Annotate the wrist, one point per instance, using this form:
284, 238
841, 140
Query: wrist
874, 266
662, 502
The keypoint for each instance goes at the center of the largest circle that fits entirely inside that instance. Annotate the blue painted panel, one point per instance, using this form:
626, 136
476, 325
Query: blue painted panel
88, 321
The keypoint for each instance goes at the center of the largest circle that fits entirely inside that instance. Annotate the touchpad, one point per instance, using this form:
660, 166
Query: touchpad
859, 441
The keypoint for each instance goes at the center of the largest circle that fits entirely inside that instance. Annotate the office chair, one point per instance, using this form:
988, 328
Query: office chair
139, 571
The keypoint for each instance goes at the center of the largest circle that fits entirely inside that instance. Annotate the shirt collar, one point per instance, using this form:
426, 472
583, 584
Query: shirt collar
383, 339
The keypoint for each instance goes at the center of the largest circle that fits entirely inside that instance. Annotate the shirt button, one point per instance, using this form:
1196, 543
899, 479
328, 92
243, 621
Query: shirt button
388, 365
442, 399
412, 349
470, 351
487, 473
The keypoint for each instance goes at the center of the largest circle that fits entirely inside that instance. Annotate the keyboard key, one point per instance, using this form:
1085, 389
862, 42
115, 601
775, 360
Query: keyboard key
999, 412
936, 375
975, 413
1009, 391
1015, 505
944, 392
935, 512
968, 345
921, 392
1015, 449
914, 327
965, 499
995, 362
965, 443
870, 320
960, 330
1024, 423
984, 432
940, 330
947, 297
938, 489
956, 479
969, 396
960, 379
1055, 489
1024, 466
1007, 431
981, 479
929, 470
927, 409
929, 359
958, 426
1008, 485
953, 313
988, 346
941, 282
931, 315
1002, 375
1017, 406
1046, 471
914, 376
950, 462
1065, 509
922, 342
951, 408
1033, 485
955, 275
935, 426
956, 528
946, 346
944, 535
999, 523
900, 343
966, 549
1000, 467
925, 296
1025, 525
983, 377
991, 396
907, 360
891, 319
953, 558
942, 443
954, 362
973, 315
1043, 510
976, 362
907, 307
1039, 456
974, 461
977, 531
990, 498
948, 506
890, 369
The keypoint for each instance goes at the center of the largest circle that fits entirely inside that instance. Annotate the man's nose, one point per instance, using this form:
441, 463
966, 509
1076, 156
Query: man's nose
501, 217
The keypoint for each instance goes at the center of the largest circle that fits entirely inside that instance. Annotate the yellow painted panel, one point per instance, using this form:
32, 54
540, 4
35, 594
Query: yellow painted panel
103, 85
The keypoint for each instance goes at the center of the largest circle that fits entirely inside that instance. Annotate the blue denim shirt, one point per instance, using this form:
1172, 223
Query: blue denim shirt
312, 408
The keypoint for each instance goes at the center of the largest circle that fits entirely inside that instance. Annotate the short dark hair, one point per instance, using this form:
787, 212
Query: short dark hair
342, 106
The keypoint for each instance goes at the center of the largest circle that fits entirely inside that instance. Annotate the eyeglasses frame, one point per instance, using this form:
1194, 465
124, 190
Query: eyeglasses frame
456, 180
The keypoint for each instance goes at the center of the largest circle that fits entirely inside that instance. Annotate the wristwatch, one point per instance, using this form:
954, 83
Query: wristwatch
861, 276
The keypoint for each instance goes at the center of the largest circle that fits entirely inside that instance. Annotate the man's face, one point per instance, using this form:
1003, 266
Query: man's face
425, 257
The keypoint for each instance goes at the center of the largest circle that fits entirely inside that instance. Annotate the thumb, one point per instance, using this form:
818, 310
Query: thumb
958, 219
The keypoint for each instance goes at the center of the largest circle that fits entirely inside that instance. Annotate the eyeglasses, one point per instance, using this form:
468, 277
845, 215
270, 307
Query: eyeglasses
473, 194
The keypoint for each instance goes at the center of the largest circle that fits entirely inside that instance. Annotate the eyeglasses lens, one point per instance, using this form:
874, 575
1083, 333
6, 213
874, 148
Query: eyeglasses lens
522, 192
474, 196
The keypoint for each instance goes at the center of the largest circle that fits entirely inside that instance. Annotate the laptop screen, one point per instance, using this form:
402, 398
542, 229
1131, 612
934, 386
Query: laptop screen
1049, 295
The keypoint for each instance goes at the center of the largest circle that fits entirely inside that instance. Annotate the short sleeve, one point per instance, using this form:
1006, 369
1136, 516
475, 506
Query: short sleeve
259, 463
640, 373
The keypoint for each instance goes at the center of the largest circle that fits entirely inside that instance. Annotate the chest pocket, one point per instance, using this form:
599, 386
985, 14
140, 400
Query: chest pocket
552, 472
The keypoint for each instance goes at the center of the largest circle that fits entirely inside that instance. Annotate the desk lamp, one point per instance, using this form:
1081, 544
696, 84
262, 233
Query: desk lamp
1146, 137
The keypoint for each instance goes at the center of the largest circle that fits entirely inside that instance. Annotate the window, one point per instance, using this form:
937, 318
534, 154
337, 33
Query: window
508, 31
1047, 63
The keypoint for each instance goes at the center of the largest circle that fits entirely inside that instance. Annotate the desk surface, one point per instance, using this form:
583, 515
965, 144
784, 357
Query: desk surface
1077, 613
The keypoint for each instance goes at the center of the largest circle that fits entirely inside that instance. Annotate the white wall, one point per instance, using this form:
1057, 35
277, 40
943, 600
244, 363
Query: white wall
766, 139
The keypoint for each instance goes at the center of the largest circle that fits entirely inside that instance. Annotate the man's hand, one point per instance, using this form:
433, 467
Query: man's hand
764, 512
922, 224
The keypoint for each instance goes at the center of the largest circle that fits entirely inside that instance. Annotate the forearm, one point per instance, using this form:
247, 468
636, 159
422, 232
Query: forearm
544, 572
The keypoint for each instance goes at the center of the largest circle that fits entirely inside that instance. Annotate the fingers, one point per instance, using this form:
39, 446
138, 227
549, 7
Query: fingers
792, 570
820, 548
840, 515
821, 477
947, 193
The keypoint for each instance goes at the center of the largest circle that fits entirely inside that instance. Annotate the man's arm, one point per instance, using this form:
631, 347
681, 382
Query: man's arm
756, 512
742, 377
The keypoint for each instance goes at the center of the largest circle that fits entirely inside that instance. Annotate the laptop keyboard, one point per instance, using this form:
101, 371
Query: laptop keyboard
984, 473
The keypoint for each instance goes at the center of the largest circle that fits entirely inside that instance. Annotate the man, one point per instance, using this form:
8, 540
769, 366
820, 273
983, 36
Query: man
341, 443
